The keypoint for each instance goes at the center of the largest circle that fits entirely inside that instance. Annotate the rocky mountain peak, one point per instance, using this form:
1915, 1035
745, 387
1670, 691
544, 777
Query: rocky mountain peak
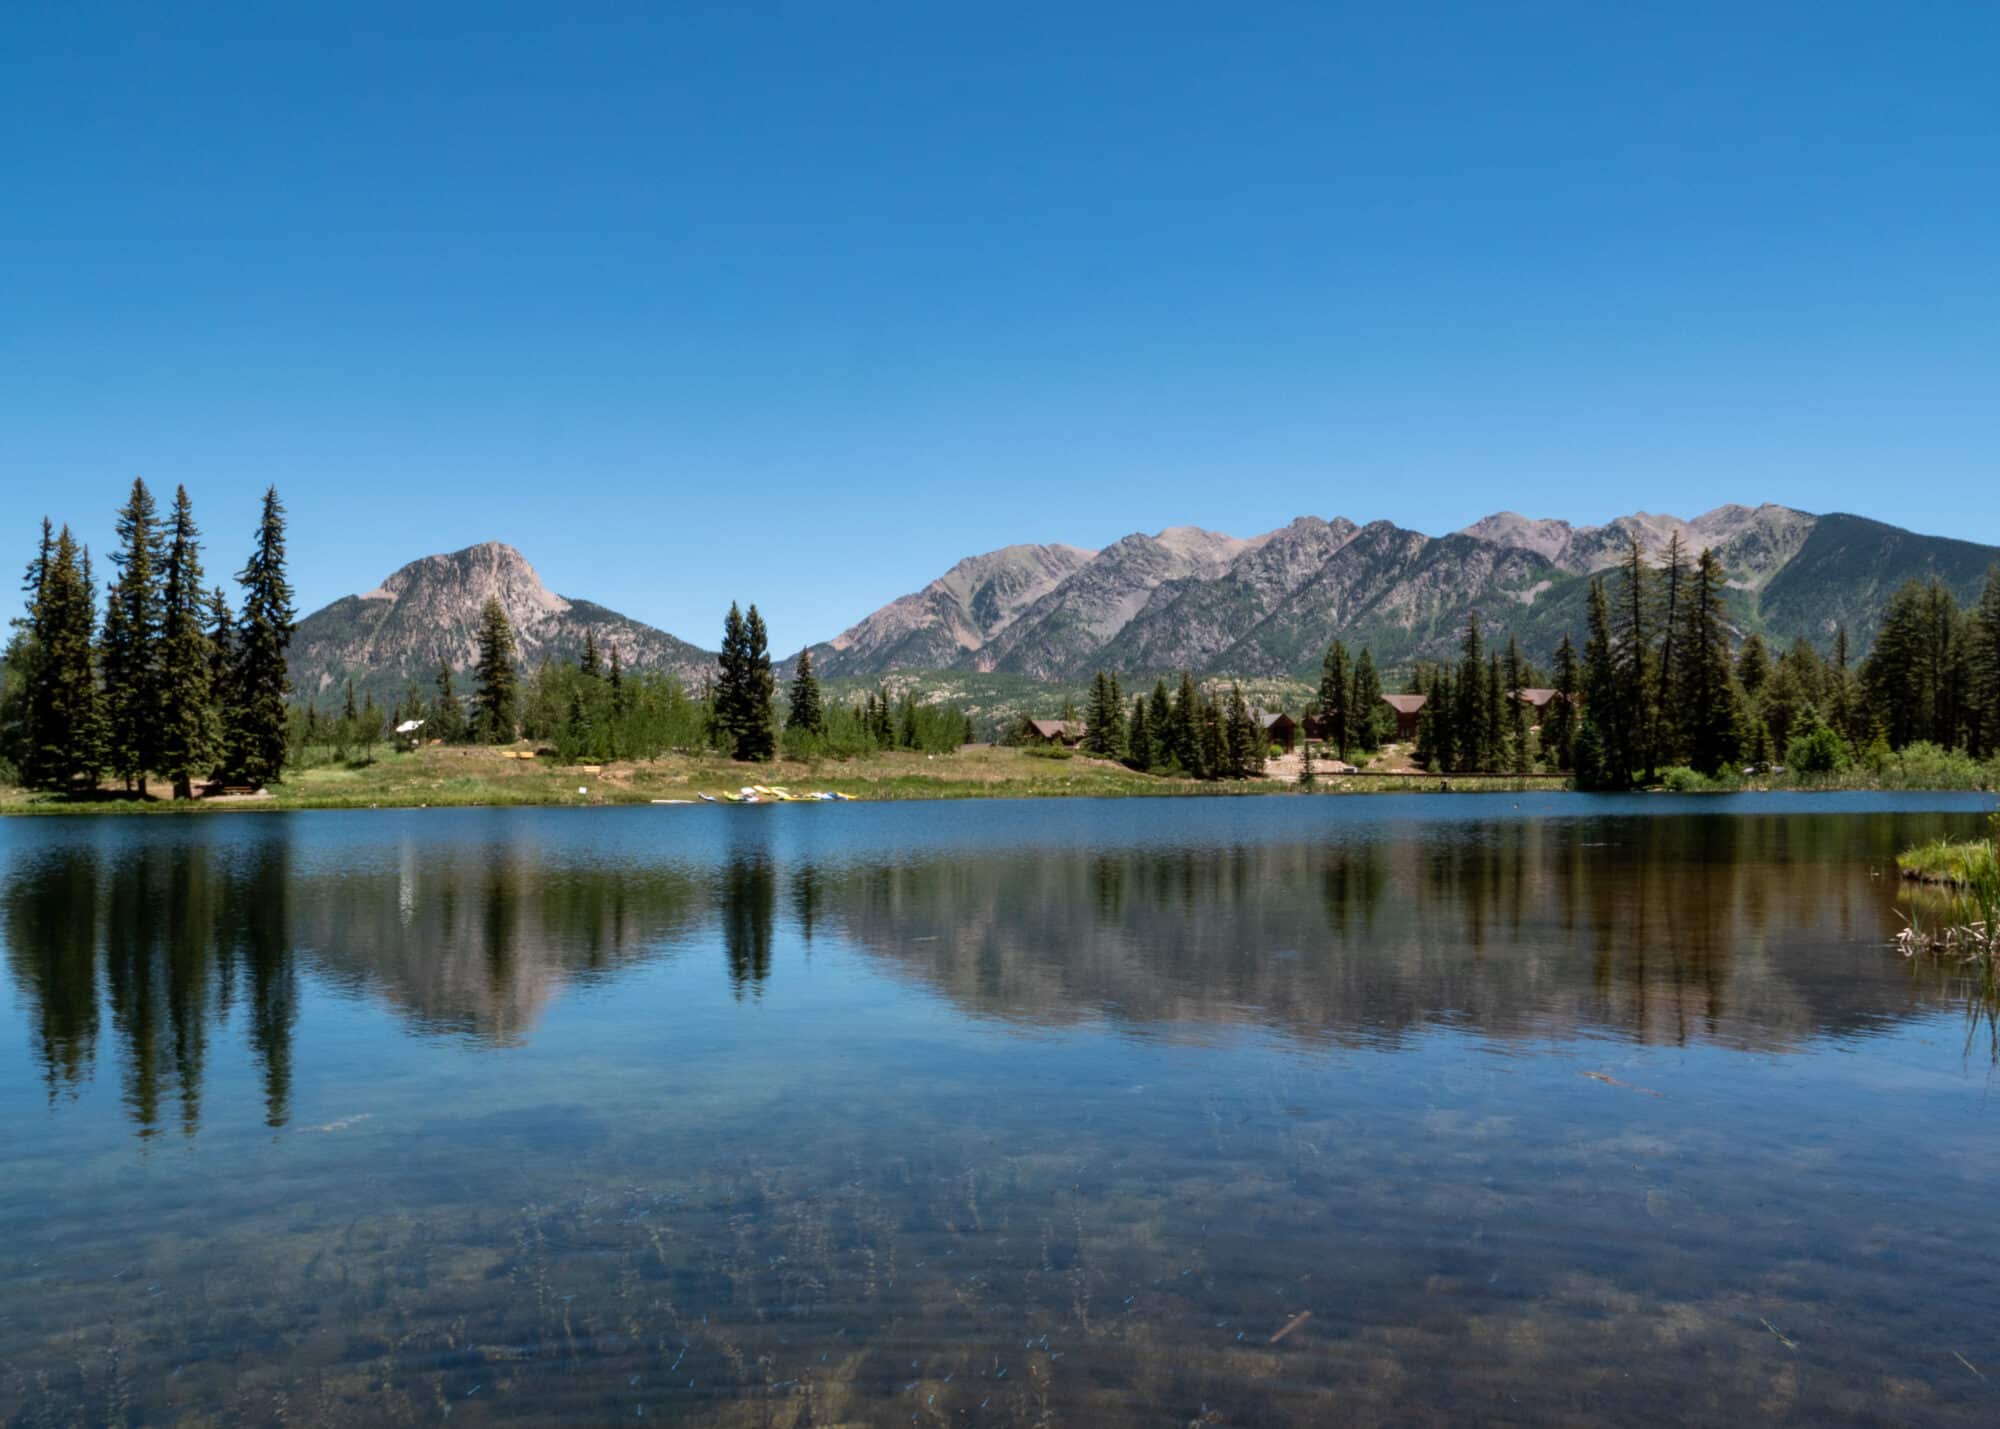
429, 612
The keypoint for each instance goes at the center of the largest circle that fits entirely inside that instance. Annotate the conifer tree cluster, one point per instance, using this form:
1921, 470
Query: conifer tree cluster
170, 684
744, 688
1189, 733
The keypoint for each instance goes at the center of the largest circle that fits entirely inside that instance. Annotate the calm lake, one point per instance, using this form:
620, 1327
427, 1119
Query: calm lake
1546, 1107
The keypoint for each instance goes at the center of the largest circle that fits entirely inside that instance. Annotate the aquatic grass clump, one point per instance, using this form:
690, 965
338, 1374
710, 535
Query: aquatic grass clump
1970, 875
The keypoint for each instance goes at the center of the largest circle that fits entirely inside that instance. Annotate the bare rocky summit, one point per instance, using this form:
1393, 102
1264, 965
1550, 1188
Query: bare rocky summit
429, 611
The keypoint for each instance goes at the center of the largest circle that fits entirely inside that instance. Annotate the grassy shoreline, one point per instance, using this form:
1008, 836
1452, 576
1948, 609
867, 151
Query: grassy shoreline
460, 777
481, 777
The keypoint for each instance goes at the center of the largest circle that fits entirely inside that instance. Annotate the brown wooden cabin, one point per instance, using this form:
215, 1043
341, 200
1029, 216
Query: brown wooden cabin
1279, 729
1409, 710
1066, 732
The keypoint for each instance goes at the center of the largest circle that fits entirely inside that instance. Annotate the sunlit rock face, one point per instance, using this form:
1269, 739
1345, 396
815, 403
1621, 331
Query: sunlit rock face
1193, 599
428, 613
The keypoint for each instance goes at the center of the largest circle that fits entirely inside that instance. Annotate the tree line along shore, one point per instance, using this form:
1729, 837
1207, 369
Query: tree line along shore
164, 682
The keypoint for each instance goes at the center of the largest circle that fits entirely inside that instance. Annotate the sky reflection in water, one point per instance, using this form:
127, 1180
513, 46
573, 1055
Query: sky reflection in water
990, 1113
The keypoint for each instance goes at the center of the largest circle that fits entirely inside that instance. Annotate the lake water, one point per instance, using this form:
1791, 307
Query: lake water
1545, 1108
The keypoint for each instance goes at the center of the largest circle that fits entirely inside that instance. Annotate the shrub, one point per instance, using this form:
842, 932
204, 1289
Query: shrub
1818, 751
1048, 751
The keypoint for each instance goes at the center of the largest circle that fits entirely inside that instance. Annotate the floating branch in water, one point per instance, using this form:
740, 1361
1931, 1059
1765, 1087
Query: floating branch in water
1612, 1081
1291, 1325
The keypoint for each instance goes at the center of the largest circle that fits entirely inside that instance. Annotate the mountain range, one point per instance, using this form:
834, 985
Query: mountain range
1186, 598
1269, 605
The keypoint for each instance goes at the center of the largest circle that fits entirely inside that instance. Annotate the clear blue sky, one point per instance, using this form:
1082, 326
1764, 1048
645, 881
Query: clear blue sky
800, 303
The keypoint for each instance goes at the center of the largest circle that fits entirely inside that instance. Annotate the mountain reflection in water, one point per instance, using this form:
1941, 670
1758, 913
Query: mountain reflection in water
1659, 929
1555, 1109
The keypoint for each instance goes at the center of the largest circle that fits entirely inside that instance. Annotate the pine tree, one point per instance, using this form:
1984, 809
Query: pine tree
589, 664
1672, 586
1185, 729
1983, 658
1909, 677
621, 693
1213, 738
757, 735
447, 716
1703, 693
221, 671
1425, 752
1638, 705
1608, 761
1336, 695
1139, 737
66, 720
1308, 780
497, 696
1517, 709
1365, 711
1159, 723
190, 737
1753, 666
744, 690
732, 680
132, 644
24, 715
1245, 740
1104, 724
1559, 719
1494, 734
1469, 718
255, 735
806, 715
1441, 704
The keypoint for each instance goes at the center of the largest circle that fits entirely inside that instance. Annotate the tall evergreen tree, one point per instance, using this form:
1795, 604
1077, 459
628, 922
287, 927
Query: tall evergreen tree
190, 737
1639, 706
1185, 729
1159, 722
1909, 677
806, 713
744, 690
1609, 758
1336, 699
1213, 738
621, 693
1672, 587
1559, 718
221, 671
1245, 737
588, 663
1494, 734
758, 739
1703, 692
1983, 659
1365, 709
65, 721
132, 643
1469, 717
1517, 709
21, 698
1097, 718
447, 714
255, 735
1139, 736
496, 698
1753, 666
